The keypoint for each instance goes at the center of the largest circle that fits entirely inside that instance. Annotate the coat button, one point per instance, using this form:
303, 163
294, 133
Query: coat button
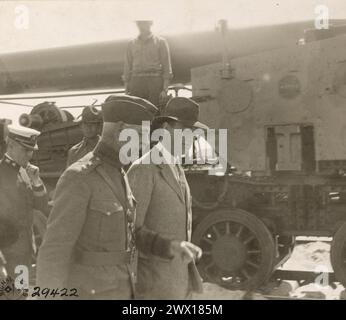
108, 213
92, 291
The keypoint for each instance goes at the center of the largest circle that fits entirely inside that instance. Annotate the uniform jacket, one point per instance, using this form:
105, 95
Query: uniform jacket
164, 208
90, 215
18, 199
80, 149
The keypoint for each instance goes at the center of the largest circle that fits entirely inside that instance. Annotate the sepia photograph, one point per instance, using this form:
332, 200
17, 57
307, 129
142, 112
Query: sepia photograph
189, 150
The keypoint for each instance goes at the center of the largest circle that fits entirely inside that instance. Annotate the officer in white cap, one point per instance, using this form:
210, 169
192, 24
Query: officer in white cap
21, 191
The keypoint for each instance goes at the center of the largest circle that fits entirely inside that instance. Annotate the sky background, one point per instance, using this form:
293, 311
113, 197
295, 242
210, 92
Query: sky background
55, 23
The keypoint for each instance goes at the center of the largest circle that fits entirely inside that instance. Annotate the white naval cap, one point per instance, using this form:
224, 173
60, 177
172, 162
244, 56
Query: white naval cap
27, 137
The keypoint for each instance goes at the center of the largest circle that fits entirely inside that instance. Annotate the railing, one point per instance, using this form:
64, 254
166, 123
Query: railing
7, 99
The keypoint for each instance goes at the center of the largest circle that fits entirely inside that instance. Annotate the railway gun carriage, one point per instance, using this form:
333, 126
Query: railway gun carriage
285, 111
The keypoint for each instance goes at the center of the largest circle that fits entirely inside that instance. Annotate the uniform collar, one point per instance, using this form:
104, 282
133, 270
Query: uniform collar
149, 37
10, 162
107, 154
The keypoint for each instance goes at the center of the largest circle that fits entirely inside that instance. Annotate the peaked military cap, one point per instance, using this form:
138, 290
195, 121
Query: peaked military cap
128, 109
183, 110
27, 137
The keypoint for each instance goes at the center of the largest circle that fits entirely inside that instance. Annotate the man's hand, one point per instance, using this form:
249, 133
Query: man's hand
34, 174
186, 250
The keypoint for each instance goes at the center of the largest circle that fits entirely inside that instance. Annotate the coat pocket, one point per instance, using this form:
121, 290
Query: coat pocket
107, 207
111, 217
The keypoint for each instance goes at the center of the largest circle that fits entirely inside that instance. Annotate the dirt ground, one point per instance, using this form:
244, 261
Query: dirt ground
311, 256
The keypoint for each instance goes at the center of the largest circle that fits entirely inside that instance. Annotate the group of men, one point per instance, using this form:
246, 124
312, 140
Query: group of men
110, 234
115, 231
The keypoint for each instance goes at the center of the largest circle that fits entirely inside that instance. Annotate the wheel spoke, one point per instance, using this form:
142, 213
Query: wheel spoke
254, 251
252, 264
239, 231
228, 231
217, 233
248, 240
245, 274
206, 252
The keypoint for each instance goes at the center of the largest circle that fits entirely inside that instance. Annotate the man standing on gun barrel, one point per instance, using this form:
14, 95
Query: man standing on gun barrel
147, 68
90, 240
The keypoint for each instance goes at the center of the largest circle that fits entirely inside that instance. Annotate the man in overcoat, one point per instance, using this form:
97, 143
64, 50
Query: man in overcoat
164, 206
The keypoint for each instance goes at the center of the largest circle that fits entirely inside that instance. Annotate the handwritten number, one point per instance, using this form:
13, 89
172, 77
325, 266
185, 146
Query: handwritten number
63, 292
73, 293
36, 292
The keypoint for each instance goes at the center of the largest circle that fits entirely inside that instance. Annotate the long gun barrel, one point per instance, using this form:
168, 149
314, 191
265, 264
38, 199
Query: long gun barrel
100, 65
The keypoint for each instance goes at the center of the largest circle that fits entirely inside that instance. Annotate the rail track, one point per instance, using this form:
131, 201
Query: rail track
302, 279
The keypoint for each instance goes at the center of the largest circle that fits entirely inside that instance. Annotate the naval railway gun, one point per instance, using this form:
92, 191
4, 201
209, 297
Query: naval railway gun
285, 114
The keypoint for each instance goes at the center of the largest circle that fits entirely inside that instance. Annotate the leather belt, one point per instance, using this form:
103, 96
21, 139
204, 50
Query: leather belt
147, 74
111, 258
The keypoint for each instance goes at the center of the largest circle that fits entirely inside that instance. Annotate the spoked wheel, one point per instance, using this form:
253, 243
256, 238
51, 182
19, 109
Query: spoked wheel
338, 254
238, 249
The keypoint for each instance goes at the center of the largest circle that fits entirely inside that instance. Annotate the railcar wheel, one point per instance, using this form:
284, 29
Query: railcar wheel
338, 254
238, 249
